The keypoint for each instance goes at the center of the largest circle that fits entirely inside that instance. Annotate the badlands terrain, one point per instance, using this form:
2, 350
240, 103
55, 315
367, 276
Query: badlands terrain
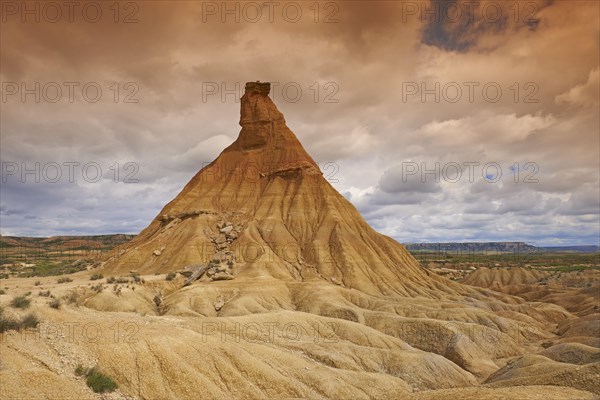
259, 280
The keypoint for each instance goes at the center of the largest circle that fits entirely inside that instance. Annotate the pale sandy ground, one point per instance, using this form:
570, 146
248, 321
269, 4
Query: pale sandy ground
341, 345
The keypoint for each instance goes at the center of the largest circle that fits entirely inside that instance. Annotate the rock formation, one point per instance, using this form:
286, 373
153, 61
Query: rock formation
263, 208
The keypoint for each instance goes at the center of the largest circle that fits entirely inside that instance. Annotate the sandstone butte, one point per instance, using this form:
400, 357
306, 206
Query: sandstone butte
285, 291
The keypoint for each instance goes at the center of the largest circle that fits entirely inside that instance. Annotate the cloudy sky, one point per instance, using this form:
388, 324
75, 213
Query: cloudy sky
438, 120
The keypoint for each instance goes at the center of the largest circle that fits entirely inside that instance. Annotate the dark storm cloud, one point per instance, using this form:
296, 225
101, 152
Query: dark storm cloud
456, 25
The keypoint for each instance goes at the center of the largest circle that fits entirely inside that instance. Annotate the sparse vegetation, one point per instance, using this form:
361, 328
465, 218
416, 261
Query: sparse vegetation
96, 380
37, 283
64, 279
99, 382
44, 293
30, 321
95, 277
122, 280
2, 291
570, 268
20, 302
80, 370
55, 303
112, 279
136, 277
71, 298
53, 267
98, 288
54, 256
537, 260
170, 276
9, 323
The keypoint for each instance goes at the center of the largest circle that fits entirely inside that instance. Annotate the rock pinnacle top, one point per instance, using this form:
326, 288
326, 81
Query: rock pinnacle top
258, 87
257, 108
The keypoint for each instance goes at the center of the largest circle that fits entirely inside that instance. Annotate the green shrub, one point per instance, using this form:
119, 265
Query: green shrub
95, 277
99, 382
80, 370
170, 276
20, 302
